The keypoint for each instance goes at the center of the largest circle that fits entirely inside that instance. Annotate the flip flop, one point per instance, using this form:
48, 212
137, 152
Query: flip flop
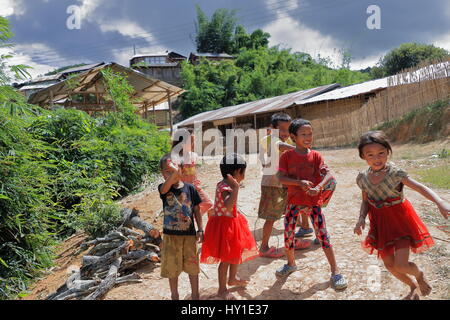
300, 244
272, 252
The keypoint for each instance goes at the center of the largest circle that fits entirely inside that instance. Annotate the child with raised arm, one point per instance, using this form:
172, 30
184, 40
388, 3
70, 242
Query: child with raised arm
310, 186
179, 248
272, 203
228, 239
395, 229
188, 161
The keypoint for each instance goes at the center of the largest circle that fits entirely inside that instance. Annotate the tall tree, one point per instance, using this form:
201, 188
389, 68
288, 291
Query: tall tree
215, 35
409, 55
221, 33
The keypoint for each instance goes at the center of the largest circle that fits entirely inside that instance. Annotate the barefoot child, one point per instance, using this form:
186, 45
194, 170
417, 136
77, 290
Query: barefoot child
179, 249
395, 228
188, 163
310, 186
272, 203
228, 239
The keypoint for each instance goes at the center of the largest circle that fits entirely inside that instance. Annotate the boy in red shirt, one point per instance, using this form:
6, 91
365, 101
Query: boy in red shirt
310, 187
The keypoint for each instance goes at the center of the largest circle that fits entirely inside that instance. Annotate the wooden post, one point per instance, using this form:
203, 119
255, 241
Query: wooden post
170, 112
154, 112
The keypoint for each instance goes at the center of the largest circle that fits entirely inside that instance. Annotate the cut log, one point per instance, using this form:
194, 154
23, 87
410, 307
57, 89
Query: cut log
133, 220
65, 287
83, 285
87, 271
129, 277
108, 283
134, 255
128, 232
102, 248
108, 238
73, 277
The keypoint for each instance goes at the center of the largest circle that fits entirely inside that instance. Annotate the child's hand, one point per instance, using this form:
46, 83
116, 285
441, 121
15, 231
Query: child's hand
444, 208
232, 182
360, 225
172, 166
313, 191
200, 236
305, 184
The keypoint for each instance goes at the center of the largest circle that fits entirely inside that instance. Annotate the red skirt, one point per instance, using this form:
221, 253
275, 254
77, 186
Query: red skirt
393, 227
228, 239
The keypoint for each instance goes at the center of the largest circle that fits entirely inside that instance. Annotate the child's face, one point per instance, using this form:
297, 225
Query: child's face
167, 169
375, 155
239, 175
304, 137
283, 129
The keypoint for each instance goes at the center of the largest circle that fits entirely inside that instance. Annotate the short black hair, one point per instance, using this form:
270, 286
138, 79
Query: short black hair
373, 137
277, 117
230, 163
297, 124
164, 159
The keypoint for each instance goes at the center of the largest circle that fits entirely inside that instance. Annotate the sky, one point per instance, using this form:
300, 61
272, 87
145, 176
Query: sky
109, 30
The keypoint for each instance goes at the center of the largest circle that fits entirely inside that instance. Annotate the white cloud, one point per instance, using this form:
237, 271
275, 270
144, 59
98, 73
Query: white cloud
443, 41
88, 7
22, 54
292, 34
11, 7
369, 61
124, 27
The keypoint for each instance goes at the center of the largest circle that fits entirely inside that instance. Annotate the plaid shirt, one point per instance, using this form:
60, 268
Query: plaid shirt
388, 192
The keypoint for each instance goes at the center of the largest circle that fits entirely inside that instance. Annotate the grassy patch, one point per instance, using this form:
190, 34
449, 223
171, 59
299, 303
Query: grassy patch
438, 176
422, 125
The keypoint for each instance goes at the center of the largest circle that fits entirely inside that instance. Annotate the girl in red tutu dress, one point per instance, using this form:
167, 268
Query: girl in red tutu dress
395, 228
228, 239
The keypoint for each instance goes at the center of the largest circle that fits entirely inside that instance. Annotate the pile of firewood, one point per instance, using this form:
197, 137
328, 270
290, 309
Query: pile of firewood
112, 260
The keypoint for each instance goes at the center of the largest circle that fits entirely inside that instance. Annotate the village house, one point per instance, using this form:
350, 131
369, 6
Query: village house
165, 66
338, 114
86, 91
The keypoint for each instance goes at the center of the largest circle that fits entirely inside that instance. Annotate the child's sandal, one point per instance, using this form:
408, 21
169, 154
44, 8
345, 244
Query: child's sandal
338, 282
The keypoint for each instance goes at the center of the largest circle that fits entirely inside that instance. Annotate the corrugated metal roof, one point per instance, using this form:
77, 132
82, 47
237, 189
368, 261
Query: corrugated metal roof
150, 65
82, 68
157, 54
39, 85
256, 107
350, 91
439, 70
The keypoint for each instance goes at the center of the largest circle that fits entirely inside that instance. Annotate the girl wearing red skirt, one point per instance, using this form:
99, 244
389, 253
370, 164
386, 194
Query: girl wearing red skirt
395, 228
228, 239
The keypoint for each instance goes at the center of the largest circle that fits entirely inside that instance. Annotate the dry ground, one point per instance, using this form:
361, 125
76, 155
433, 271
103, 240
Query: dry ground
312, 279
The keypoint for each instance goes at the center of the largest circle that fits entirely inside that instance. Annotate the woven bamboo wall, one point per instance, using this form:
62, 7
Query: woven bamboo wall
341, 122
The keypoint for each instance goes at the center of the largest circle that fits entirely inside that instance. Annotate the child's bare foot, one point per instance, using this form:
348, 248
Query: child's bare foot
424, 286
175, 296
237, 282
412, 295
226, 295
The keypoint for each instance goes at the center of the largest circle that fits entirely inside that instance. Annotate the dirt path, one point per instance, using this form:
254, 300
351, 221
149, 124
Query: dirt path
312, 279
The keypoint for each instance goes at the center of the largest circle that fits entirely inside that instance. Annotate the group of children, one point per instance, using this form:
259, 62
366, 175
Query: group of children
301, 188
